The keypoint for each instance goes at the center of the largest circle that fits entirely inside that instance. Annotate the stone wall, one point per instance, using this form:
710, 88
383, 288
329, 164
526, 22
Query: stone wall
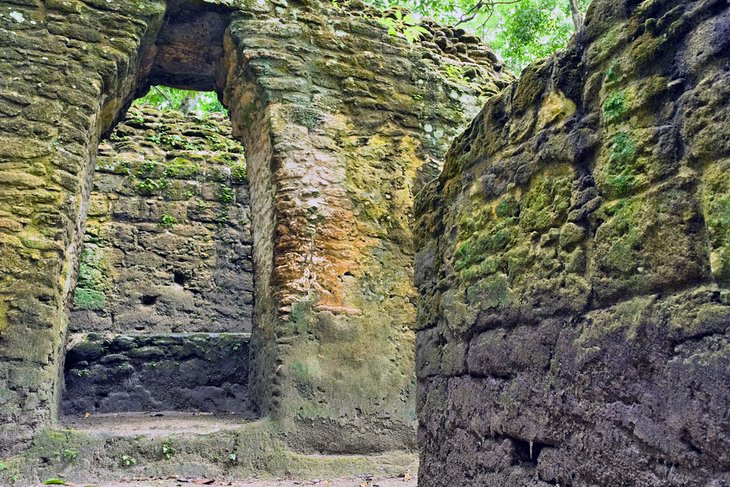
573, 265
66, 70
198, 372
168, 236
342, 123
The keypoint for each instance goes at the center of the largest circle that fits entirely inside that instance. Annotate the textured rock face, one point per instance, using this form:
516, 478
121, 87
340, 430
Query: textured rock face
573, 265
167, 246
67, 68
196, 372
342, 124
355, 123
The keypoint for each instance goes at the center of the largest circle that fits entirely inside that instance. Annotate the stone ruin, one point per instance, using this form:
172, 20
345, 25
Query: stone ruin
572, 250
140, 253
574, 265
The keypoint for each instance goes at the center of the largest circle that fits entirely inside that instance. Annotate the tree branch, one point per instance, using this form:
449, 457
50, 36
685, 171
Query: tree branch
576, 14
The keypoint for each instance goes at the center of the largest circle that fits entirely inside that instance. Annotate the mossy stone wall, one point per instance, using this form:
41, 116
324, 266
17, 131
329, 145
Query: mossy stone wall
574, 301
67, 68
342, 123
167, 246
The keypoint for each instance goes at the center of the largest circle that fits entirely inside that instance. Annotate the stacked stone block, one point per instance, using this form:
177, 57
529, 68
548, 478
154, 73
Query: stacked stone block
574, 306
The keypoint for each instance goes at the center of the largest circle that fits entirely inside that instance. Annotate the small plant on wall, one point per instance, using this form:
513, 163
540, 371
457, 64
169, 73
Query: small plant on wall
403, 25
167, 221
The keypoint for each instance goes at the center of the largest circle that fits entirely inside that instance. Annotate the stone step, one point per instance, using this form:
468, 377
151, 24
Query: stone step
157, 424
193, 372
107, 448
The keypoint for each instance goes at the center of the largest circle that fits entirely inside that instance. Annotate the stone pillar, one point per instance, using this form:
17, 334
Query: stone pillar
342, 123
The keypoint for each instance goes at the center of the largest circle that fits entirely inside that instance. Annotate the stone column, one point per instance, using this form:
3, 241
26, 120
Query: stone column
341, 123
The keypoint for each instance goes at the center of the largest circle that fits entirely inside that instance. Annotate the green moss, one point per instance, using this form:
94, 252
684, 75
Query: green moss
89, 299
546, 203
623, 231
151, 187
716, 209
507, 207
239, 173
491, 292
623, 148
226, 194
92, 279
298, 371
217, 142
254, 449
622, 172
615, 107
167, 221
621, 184
612, 73
182, 168
496, 239
147, 168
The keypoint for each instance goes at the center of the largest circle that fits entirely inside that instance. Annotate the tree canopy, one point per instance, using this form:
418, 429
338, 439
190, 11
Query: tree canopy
186, 101
520, 31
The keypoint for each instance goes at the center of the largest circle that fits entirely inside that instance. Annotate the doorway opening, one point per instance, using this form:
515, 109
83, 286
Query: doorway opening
162, 312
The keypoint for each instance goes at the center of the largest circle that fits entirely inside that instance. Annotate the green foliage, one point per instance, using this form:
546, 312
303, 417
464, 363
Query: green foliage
54, 481
226, 194
128, 461
150, 187
404, 25
520, 31
146, 168
167, 221
186, 101
70, 454
167, 450
238, 173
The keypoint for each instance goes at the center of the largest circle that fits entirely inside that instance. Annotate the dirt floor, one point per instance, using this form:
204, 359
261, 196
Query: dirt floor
153, 424
184, 482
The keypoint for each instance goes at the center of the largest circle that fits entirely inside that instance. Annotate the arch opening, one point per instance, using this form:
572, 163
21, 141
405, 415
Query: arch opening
162, 313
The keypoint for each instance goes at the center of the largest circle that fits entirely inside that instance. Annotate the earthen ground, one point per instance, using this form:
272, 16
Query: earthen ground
153, 424
351, 482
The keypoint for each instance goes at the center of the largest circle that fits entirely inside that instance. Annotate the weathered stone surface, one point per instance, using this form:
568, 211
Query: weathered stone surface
142, 373
342, 124
339, 136
168, 241
66, 68
574, 307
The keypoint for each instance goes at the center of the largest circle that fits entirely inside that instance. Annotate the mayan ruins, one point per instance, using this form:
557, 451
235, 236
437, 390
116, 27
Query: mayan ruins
334, 243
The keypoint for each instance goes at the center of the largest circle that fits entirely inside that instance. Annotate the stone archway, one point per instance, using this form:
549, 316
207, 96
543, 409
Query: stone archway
342, 124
